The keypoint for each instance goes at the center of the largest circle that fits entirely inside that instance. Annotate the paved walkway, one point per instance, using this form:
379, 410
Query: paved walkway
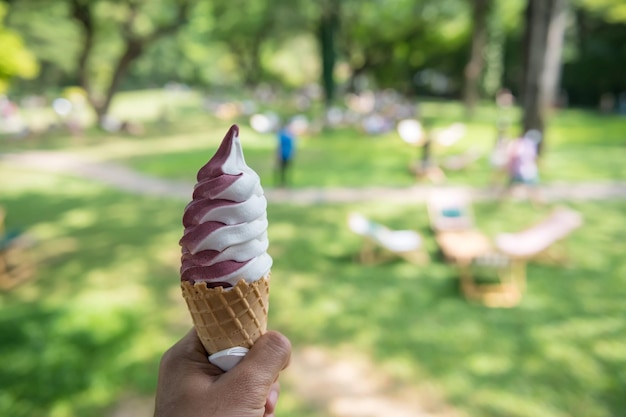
123, 178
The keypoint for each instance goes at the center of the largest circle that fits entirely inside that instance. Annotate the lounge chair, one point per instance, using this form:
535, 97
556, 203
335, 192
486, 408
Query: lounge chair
486, 276
499, 279
541, 241
452, 221
16, 263
450, 211
381, 243
494, 280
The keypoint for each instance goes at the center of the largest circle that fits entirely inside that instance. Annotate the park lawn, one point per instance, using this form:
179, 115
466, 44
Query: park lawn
581, 146
88, 331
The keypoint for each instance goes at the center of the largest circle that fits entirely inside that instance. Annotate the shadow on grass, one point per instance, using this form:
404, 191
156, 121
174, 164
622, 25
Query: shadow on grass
557, 354
49, 365
93, 322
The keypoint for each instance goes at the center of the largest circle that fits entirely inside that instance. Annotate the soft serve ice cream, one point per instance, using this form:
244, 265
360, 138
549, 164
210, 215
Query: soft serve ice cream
225, 238
225, 269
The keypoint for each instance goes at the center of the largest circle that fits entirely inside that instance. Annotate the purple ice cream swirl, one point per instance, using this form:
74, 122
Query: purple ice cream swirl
225, 238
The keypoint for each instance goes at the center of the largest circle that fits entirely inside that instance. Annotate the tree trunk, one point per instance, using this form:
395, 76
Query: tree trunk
134, 46
476, 64
83, 14
328, 25
543, 45
255, 73
133, 50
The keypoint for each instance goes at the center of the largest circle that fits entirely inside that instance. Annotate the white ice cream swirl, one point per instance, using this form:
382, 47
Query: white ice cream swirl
225, 238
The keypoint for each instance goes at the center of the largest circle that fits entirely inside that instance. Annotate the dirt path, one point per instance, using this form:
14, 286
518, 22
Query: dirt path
348, 384
123, 178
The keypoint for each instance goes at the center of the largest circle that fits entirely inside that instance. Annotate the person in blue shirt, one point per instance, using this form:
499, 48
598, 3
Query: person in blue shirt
286, 151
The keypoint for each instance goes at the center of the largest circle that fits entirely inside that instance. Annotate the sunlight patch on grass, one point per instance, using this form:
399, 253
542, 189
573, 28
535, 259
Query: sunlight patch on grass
125, 148
102, 309
585, 328
62, 409
78, 218
283, 230
503, 402
46, 231
578, 364
15, 182
610, 350
149, 104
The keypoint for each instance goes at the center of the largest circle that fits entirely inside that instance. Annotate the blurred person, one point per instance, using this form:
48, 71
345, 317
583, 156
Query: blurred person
285, 153
427, 166
11, 119
621, 103
522, 163
190, 386
499, 158
607, 103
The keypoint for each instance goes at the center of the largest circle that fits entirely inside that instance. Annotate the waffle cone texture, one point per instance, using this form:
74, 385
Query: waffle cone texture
228, 318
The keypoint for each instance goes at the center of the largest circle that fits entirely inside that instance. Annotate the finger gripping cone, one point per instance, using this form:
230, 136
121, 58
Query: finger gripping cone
228, 318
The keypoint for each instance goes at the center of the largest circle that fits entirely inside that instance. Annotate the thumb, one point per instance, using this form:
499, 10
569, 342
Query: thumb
262, 364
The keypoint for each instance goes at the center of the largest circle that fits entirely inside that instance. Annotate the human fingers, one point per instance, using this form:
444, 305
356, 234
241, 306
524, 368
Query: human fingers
189, 354
260, 367
272, 399
185, 378
269, 355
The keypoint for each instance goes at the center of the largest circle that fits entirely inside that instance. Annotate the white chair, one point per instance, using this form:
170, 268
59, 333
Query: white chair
381, 243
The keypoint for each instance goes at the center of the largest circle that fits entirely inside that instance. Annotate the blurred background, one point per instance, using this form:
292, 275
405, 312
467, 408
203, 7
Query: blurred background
447, 236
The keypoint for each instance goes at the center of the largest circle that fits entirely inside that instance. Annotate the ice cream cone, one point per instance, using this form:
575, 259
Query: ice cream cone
226, 318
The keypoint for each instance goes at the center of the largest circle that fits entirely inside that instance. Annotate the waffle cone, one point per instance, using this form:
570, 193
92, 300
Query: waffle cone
225, 319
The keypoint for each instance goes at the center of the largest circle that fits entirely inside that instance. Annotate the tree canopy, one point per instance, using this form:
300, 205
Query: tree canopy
15, 59
414, 46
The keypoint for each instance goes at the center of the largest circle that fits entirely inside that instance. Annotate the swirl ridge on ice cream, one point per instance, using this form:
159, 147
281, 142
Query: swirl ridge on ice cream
225, 238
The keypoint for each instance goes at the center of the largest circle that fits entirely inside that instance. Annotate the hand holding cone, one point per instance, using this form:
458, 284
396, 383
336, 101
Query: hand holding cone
225, 267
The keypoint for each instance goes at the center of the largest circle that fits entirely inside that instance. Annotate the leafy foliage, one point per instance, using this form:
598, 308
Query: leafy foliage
414, 46
15, 59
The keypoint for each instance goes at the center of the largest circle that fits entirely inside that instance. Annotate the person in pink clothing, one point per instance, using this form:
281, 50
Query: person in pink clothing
522, 164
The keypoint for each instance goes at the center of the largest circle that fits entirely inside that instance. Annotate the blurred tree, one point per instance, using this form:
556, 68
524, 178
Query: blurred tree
15, 59
244, 43
405, 44
93, 43
476, 63
326, 32
139, 23
543, 46
53, 39
594, 69
414, 46
245, 34
614, 11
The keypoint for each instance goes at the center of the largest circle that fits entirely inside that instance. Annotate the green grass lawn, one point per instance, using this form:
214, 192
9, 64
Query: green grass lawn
90, 328
87, 332
580, 146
